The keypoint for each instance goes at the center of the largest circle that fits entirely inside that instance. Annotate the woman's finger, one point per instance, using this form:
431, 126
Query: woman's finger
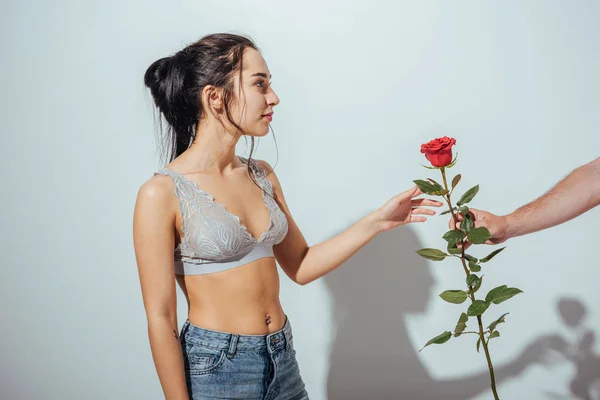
418, 192
408, 194
424, 211
427, 202
417, 219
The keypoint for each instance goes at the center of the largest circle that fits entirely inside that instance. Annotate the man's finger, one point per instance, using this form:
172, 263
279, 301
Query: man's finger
467, 244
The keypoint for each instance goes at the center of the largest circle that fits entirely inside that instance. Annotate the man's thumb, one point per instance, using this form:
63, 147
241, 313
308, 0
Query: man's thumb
476, 213
478, 220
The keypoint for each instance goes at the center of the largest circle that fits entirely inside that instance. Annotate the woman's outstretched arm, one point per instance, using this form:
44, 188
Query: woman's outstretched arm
304, 264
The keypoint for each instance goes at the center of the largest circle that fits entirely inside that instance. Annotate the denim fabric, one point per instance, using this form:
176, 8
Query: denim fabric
221, 365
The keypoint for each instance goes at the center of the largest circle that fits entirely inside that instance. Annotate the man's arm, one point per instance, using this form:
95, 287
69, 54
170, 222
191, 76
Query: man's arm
577, 193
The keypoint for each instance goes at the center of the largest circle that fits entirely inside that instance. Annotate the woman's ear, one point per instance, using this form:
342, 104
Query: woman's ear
213, 97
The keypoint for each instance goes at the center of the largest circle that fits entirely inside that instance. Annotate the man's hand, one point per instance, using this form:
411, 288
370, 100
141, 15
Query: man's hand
577, 193
497, 225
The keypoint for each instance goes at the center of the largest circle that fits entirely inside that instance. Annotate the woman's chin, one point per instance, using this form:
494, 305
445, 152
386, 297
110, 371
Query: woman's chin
260, 133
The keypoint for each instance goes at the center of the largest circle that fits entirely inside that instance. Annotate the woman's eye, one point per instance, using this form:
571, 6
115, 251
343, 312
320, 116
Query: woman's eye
259, 83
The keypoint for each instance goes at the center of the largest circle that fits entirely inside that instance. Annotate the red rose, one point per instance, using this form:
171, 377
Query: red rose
439, 151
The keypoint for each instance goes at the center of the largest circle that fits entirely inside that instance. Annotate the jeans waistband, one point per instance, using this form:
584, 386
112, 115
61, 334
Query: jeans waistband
232, 342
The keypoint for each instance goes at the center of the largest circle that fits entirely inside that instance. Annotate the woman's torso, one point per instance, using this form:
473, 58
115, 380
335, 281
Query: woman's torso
236, 300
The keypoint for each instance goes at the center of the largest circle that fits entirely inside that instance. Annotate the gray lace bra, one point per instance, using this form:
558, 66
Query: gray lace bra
214, 239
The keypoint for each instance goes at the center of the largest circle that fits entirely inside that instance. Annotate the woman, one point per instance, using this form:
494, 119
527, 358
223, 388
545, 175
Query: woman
219, 222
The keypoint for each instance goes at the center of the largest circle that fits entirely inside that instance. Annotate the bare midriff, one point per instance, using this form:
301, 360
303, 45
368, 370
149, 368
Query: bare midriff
242, 300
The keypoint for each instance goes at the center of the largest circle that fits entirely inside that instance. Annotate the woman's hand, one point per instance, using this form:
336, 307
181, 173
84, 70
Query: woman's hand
403, 209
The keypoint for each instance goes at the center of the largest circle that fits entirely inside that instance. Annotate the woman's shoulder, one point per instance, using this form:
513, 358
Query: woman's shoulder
269, 173
263, 167
157, 189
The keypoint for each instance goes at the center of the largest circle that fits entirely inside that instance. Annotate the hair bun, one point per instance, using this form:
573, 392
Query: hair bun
156, 73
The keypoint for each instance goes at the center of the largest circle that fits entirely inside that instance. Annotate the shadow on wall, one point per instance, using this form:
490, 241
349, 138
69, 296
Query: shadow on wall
372, 356
585, 384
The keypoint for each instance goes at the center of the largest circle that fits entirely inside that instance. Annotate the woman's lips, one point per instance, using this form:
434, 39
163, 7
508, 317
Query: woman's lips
269, 117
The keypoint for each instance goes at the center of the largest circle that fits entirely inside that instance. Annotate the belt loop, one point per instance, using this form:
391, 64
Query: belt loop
232, 345
184, 328
287, 333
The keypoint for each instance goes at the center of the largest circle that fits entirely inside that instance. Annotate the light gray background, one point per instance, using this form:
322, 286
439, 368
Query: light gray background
362, 85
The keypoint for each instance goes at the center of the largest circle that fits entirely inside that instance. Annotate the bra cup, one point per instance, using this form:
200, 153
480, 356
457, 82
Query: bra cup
213, 235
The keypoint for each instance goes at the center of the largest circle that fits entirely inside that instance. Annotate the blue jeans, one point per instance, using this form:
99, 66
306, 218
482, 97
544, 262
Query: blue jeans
220, 365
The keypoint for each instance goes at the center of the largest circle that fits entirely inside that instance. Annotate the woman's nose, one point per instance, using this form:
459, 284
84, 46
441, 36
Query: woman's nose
272, 98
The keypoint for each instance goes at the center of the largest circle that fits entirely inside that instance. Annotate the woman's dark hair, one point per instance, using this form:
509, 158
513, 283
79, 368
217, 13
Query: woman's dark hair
176, 84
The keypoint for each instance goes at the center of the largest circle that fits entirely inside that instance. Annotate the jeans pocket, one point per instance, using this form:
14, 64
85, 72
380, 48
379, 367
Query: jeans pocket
201, 360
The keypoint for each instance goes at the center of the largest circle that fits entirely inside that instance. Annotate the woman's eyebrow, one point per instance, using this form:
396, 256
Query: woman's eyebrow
262, 74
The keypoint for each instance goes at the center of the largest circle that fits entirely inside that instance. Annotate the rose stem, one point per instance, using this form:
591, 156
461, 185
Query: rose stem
472, 295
